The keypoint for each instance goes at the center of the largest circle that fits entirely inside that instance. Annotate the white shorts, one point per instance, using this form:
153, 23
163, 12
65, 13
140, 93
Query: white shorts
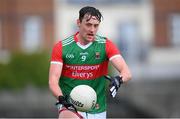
86, 115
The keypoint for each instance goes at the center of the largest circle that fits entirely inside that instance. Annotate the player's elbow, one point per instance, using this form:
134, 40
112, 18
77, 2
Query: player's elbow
52, 83
53, 80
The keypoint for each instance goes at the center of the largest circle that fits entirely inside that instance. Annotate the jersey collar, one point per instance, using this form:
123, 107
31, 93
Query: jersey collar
78, 43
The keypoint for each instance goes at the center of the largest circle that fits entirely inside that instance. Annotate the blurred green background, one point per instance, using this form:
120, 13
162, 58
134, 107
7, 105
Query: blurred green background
24, 69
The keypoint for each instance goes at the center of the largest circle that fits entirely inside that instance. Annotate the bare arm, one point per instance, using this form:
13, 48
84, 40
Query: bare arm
54, 75
120, 64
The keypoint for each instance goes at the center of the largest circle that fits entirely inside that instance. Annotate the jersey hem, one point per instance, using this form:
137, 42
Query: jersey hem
97, 112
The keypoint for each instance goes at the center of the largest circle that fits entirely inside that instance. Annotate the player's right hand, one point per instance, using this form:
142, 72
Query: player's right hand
64, 102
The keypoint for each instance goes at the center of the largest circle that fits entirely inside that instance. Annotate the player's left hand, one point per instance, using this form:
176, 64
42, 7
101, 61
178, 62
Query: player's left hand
115, 83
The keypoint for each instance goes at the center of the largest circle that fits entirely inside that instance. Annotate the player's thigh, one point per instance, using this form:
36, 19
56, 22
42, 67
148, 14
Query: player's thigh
68, 114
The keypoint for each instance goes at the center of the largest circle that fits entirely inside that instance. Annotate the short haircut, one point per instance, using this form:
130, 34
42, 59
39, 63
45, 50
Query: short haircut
90, 11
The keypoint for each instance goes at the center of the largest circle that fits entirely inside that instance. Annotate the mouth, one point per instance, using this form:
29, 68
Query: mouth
91, 35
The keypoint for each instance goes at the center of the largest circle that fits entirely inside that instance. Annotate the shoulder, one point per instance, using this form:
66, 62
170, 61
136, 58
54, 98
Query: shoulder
100, 39
63, 42
58, 45
68, 40
103, 39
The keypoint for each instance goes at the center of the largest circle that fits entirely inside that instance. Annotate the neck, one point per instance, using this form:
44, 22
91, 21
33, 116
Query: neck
81, 40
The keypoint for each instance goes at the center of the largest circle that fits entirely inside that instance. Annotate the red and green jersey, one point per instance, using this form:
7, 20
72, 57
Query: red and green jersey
85, 65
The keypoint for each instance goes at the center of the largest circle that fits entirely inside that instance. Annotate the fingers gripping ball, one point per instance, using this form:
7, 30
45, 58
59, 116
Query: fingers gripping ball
83, 97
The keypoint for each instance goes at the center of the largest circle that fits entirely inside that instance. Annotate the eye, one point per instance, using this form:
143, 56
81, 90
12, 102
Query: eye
88, 24
96, 25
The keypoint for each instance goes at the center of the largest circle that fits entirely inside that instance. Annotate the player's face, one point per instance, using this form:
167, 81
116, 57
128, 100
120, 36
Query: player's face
88, 28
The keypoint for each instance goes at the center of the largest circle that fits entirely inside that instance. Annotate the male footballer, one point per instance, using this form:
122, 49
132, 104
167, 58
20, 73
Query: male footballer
83, 59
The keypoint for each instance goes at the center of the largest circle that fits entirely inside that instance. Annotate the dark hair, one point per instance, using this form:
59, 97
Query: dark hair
90, 11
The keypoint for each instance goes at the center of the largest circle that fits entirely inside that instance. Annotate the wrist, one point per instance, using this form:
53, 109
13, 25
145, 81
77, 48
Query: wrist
120, 79
61, 98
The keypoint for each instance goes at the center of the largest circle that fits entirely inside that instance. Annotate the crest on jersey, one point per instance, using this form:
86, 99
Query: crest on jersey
97, 55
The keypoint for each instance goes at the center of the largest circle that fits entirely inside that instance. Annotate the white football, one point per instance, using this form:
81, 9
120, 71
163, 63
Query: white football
83, 97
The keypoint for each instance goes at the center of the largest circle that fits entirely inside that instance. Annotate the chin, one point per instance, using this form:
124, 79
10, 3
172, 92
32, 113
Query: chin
90, 39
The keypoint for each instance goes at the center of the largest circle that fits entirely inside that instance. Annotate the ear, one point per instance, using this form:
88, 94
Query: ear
78, 22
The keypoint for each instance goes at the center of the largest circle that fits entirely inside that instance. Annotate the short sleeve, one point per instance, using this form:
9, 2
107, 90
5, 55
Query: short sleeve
111, 49
56, 56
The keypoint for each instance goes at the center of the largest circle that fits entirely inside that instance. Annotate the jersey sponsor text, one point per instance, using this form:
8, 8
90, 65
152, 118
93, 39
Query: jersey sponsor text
85, 72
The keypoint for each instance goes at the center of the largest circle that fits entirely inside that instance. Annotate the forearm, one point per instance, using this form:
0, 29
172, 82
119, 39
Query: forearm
122, 68
54, 87
54, 75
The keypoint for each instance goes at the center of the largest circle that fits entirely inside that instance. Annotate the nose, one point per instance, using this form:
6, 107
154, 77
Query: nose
92, 29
